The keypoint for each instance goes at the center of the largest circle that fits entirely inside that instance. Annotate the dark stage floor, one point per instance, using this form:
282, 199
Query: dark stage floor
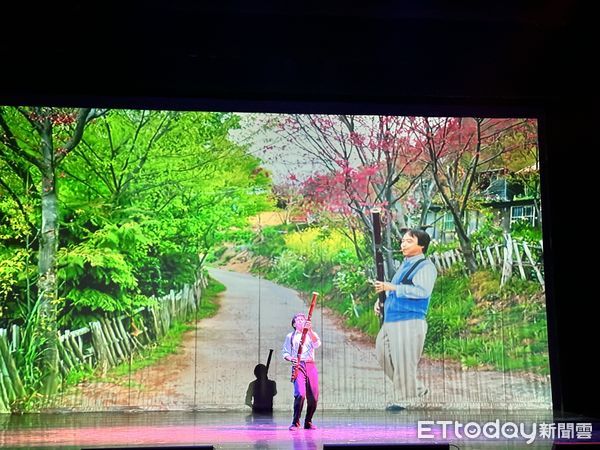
238, 430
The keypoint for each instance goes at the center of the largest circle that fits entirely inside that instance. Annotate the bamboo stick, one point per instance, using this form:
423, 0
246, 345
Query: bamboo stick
65, 363
125, 337
103, 356
74, 344
114, 340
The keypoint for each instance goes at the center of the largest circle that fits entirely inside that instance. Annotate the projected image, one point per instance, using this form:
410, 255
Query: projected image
168, 260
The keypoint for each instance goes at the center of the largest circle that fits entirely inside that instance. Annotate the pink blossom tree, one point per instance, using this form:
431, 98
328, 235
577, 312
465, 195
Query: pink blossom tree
361, 162
456, 150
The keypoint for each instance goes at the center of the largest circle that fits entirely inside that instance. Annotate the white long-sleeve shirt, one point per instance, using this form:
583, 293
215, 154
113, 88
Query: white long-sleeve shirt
292, 342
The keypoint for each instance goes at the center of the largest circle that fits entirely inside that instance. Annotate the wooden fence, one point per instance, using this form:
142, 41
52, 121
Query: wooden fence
511, 257
104, 343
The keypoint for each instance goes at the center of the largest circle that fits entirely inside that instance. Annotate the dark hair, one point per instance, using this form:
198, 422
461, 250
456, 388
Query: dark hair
260, 371
423, 239
294, 319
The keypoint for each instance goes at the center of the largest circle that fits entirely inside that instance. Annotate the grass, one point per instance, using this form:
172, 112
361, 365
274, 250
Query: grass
475, 322
168, 345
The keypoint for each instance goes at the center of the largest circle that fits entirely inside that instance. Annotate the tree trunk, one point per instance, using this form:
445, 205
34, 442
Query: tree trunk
465, 244
47, 286
388, 251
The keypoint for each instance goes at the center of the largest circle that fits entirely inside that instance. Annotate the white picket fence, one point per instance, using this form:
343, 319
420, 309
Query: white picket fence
511, 257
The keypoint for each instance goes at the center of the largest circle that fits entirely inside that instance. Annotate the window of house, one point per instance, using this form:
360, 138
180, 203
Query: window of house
448, 222
522, 213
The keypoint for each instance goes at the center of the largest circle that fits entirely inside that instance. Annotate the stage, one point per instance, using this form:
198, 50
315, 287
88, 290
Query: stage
240, 430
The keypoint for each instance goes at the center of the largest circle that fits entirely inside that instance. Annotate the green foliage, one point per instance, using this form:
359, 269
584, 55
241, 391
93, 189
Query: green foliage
141, 197
306, 258
523, 231
288, 268
485, 284
239, 236
147, 193
318, 244
99, 273
526, 290
450, 306
473, 321
14, 264
350, 279
440, 247
351, 283
93, 300
103, 265
16, 254
270, 242
30, 351
366, 321
13, 225
79, 374
489, 232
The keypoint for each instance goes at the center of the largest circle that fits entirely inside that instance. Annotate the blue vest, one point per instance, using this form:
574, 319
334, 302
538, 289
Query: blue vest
398, 308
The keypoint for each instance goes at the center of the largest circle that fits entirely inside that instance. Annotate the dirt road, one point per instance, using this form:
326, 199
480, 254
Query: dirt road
215, 364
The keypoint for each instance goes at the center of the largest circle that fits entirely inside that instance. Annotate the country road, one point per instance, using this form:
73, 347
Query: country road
215, 364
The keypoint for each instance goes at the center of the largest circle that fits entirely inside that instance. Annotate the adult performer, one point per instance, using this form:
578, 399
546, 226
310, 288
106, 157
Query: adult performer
401, 338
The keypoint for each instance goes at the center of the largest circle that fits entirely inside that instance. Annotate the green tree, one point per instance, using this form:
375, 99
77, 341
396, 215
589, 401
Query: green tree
41, 137
161, 188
